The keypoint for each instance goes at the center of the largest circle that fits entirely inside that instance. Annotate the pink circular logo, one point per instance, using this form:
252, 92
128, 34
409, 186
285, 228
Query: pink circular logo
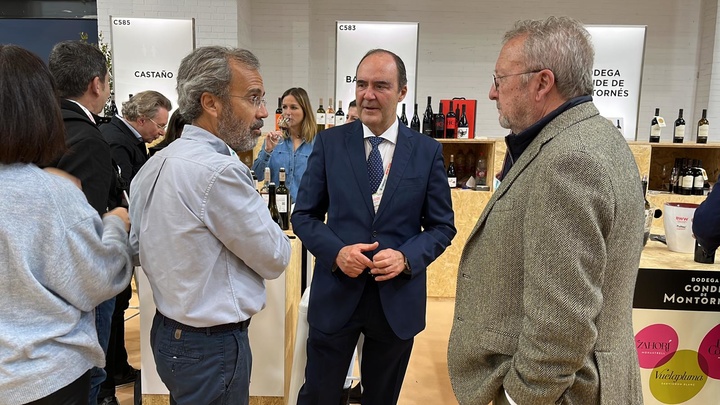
710, 351
656, 344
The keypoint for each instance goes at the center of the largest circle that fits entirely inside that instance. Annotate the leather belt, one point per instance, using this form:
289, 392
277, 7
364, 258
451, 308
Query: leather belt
207, 330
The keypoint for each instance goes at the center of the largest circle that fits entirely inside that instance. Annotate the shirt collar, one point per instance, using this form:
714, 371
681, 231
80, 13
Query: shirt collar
390, 134
517, 143
196, 133
134, 131
87, 112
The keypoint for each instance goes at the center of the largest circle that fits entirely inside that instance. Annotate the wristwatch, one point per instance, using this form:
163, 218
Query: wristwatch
407, 269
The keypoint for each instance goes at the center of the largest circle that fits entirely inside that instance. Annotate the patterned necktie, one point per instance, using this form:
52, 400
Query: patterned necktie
375, 164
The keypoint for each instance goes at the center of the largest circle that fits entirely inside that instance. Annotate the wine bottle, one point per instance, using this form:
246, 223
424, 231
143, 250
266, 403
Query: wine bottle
698, 178
403, 117
460, 164
686, 178
339, 114
265, 189
451, 123
330, 115
415, 122
648, 217
440, 123
255, 181
655, 127
679, 131
452, 178
278, 114
272, 206
320, 117
282, 197
463, 131
429, 120
703, 127
481, 171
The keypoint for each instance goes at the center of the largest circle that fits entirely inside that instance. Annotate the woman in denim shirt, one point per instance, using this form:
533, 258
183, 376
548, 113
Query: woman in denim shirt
290, 147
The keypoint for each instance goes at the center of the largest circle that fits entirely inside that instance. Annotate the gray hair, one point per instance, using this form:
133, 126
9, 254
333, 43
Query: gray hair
207, 70
562, 45
145, 104
74, 64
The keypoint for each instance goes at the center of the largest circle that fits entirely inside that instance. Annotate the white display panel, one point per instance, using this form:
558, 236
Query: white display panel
355, 38
617, 74
147, 54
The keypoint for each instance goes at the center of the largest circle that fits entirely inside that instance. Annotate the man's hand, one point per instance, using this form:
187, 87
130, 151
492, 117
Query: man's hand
387, 264
351, 259
121, 213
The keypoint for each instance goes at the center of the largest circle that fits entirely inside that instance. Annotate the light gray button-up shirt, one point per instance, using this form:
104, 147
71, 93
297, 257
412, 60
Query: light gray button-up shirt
205, 237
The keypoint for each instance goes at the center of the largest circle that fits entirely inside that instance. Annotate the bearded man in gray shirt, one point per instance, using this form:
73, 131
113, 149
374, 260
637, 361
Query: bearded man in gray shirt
206, 240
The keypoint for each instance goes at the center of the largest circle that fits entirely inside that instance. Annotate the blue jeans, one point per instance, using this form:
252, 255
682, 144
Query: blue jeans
103, 318
200, 368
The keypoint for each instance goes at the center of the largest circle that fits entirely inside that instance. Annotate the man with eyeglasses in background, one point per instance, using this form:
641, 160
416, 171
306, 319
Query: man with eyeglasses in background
547, 317
143, 120
205, 237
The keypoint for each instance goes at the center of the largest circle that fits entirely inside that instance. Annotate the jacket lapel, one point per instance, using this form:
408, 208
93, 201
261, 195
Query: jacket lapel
355, 148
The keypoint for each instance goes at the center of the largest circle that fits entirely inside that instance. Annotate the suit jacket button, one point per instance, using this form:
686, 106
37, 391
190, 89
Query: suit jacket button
374, 234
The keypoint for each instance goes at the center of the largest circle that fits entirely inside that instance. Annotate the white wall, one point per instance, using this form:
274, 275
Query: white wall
459, 43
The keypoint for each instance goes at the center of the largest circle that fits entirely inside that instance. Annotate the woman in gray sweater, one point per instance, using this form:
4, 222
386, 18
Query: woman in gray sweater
58, 259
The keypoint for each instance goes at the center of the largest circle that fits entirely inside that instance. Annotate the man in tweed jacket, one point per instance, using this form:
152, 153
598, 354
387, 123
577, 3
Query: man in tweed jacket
545, 285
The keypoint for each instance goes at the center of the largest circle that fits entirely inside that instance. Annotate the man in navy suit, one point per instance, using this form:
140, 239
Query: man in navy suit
389, 215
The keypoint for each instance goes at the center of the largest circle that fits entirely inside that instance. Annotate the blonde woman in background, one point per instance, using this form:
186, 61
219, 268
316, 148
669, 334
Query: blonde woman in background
290, 147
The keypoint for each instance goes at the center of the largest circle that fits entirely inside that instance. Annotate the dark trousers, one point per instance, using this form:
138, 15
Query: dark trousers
202, 368
384, 358
75, 393
116, 357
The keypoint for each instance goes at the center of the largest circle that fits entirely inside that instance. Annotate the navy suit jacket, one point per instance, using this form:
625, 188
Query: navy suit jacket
415, 216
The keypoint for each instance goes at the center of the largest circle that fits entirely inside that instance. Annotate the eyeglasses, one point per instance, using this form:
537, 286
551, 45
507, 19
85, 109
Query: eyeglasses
496, 78
158, 125
256, 101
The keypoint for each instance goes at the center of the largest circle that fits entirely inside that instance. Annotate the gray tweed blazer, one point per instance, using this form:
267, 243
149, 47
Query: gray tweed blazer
545, 284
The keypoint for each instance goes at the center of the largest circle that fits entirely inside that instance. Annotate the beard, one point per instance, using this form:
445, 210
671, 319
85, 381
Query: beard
236, 132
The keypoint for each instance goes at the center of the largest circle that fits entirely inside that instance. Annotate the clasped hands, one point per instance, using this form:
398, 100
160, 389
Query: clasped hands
385, 264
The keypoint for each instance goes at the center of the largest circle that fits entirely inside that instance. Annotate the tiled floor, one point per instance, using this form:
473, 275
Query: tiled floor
426, 381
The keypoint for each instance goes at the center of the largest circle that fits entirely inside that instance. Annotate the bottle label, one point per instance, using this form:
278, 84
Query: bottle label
463, 132
703, 130
330, 120
698, 182
452, 182
680, 131
655, 131
281, 177
282, 203
687, 181
277, 121
451, 123
320, 118
339, 119
266, 198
